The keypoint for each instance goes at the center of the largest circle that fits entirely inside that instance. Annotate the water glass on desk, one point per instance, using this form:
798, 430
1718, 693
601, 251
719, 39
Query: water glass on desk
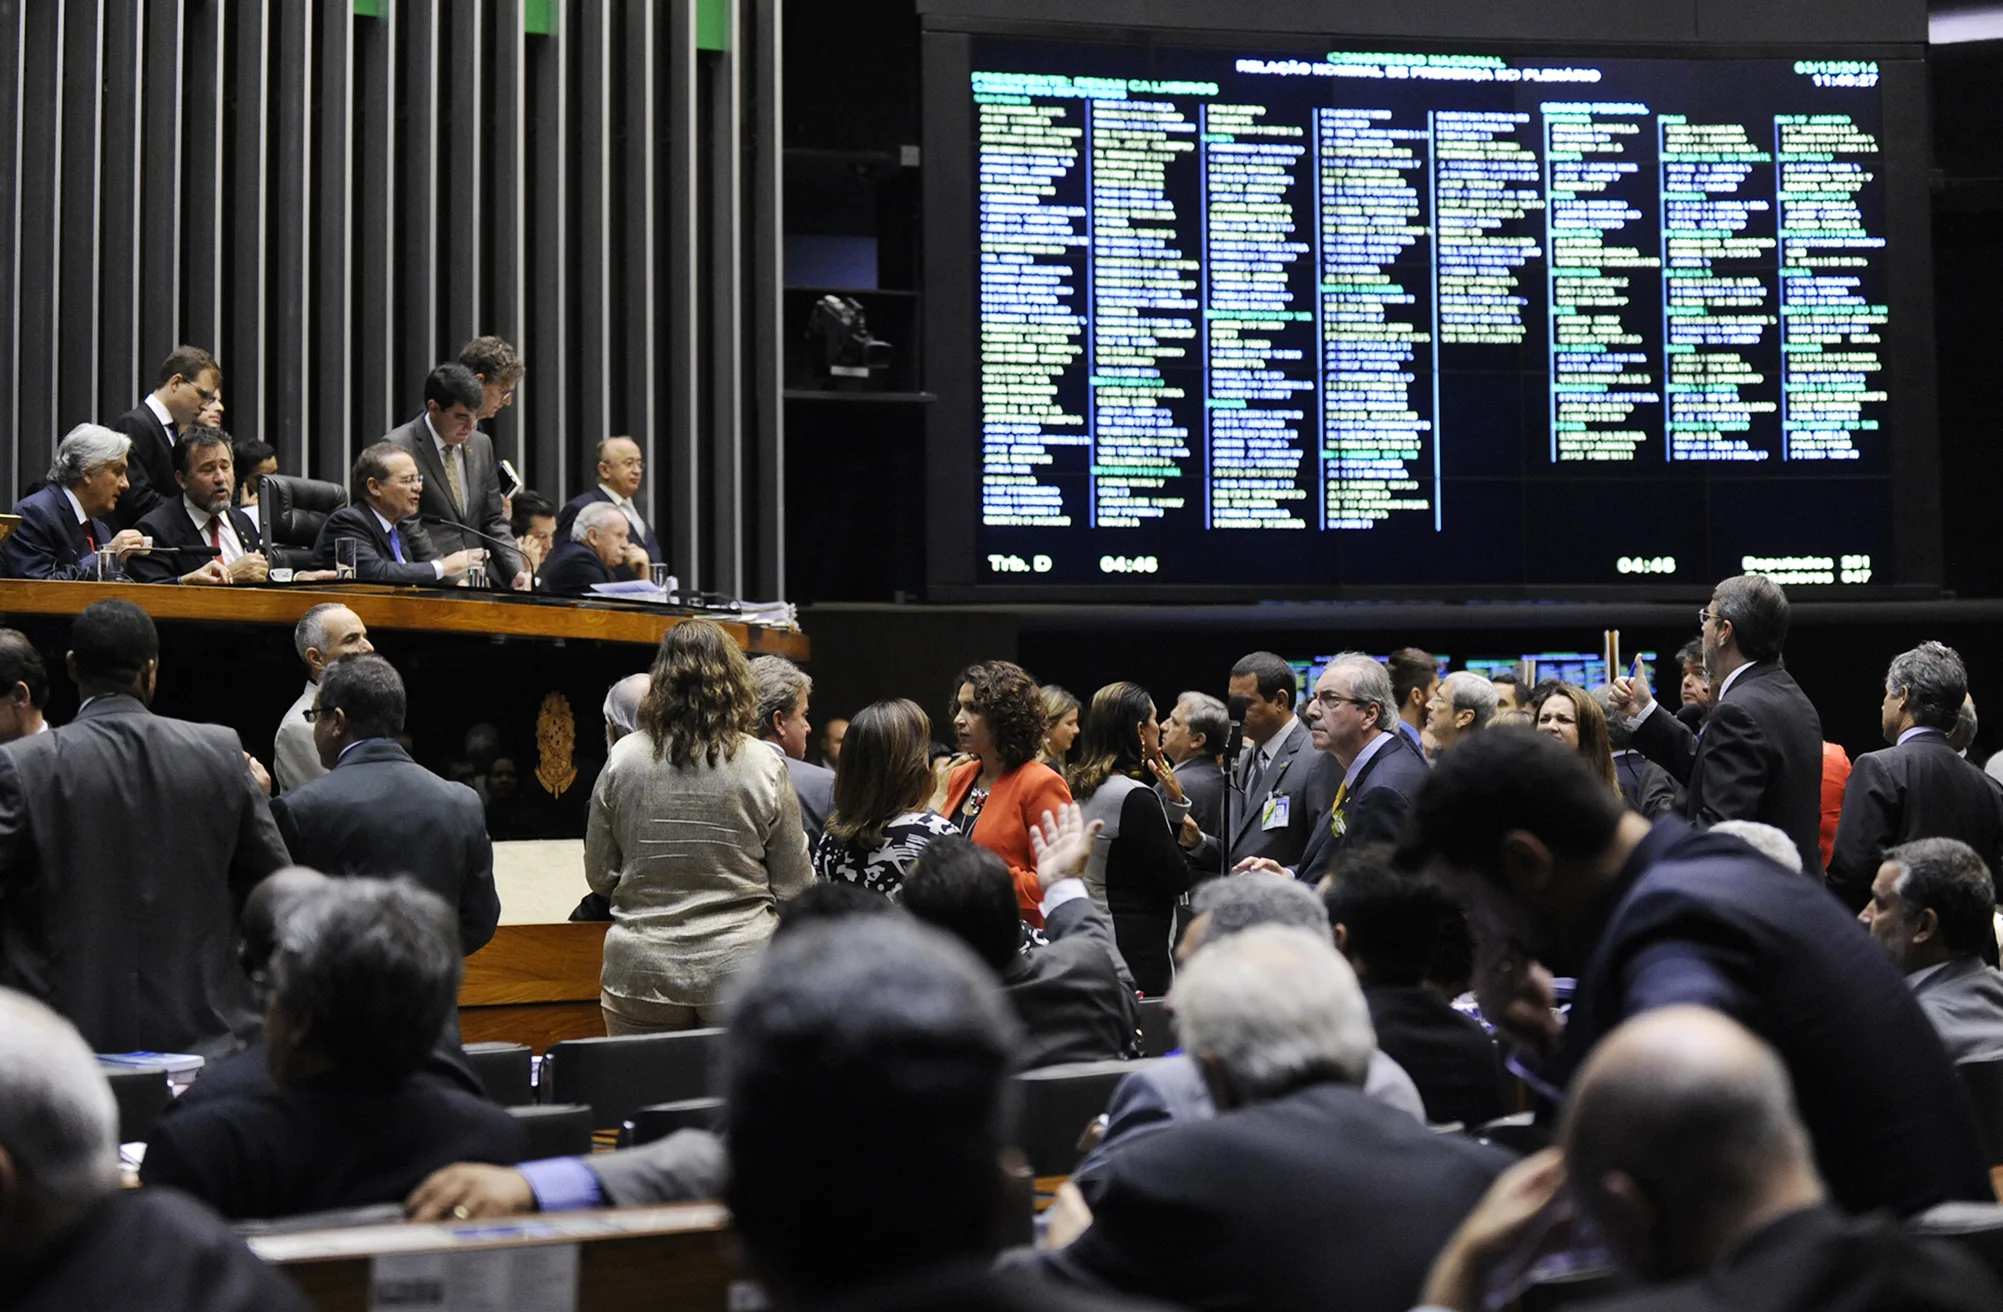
344, 558
661, 578
476, 567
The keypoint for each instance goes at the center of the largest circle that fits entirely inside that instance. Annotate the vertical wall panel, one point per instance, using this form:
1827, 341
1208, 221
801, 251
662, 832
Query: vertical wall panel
332, 356
417, 230
723, 257
127, 202
764, 321
249, 312
161, 202
78, 311
464, 162
377, 288
686, 494
550, 465
295, 380
201, 280
508, 245
591, 240
12, 42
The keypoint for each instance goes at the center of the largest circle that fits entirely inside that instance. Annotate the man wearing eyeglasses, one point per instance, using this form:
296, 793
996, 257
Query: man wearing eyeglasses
189, 381
1759, 756
390, 545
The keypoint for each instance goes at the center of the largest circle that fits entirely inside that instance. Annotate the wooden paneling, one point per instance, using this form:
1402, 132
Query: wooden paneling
536, 963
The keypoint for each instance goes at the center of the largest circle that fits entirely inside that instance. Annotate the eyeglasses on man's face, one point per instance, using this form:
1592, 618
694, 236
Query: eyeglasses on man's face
313, 713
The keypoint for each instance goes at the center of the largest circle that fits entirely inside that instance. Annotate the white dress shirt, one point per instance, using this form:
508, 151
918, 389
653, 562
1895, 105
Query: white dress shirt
232, 545
627, 508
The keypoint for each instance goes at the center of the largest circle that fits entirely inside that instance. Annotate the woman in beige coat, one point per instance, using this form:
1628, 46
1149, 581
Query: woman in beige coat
694, 836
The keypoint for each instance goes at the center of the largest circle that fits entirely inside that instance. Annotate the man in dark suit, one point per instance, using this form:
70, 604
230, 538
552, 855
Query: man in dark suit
1303, 1193
64, 524
462, 488
377, 812
390, 545
1072, 991
1386, 922
593, 555
1193, 741
188, 382
1278, 790
361, 984
621, 470
1683, 1148
24, 687
1760, 754
1918, 787
1462, 703
201, 516
783, 690
1559, 879
128, 841
1933, 908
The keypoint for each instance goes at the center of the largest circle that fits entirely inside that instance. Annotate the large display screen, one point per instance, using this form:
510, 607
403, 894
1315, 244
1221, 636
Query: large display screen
1370, 319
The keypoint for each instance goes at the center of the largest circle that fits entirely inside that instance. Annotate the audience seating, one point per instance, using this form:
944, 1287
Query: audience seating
291, 512
1157, 1028
1984, 1082
505, 1071
1977, 1227
1518, 1133
142, 1096
664, 1118
555, 1131
615, 1077
1058, 1102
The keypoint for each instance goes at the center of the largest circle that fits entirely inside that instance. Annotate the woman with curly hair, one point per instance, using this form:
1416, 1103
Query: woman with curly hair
1571, 716
1060, 726
879, 824
996, 798
1137, 872
694, 836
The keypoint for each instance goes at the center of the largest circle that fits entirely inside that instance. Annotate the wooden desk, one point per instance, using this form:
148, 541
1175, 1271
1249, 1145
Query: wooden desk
665, 1257
534, 984
438, 610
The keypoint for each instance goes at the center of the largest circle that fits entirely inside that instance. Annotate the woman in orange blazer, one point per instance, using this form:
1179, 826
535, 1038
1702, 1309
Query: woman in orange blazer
995, 798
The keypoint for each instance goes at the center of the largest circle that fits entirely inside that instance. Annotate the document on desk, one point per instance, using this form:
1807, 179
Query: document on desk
538, 1278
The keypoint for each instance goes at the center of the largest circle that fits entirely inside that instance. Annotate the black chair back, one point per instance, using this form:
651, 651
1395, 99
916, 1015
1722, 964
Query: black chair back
555, 1131
290, 514
615, 1077
505, 1071
1984, 1082
1976, 1227
664, 1118
1157, 1028
1058, 1102
142, 1096
1519, 1134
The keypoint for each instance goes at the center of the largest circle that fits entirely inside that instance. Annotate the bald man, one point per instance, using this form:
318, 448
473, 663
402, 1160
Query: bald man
1682, 1146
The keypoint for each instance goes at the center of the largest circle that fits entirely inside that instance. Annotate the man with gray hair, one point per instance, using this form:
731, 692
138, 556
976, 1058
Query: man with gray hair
783, 690
69, 1236
66, 524
1193, 740
1462, 703
1308, 1194
1933, 908
622, 705
595, 550
1918, 787
325, 633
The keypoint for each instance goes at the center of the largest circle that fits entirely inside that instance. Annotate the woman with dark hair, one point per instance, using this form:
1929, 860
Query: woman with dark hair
1137, 871
880, 824
998, 797
1060, 726
253, 460
694, 836
1571, 716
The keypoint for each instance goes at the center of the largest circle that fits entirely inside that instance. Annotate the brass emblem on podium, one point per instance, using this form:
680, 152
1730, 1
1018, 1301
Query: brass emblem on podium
556, 739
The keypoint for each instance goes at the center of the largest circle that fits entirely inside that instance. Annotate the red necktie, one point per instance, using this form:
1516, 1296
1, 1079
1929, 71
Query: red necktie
216, 533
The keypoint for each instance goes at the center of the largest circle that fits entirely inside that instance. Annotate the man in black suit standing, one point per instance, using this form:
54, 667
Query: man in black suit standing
1918, 787
1193, 741
24, 687
202, 516
621, 469
1558, 878
1302, 1193
128, 842
390, 546
1760, 754
1278, 790
64, 524
597, 547
1683, 1148
377, 812
462, 488
188, 382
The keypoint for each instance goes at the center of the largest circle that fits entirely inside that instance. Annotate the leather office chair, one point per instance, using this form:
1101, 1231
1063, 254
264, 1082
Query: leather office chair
1157, 1028
1984, 1082
142, 1096
664, 1118
617, 1076
290, 513
1058, 1102
1976, 1227
504, 1070
555, 1131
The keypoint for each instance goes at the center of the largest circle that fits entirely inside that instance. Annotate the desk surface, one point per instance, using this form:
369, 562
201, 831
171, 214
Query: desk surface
383, 607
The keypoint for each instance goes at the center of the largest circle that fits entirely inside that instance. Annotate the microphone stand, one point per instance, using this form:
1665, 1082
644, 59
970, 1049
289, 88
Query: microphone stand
441, 522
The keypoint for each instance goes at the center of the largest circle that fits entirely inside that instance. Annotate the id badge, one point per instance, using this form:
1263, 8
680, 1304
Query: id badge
1274, 814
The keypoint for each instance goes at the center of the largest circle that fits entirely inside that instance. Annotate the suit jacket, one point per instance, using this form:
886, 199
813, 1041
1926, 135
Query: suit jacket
568, 514
380, 813
814, 785
170, 525
1818, 1260
128, 842
1305, 777
1448, 1055
1758, 758
50, 543
482, 512
375, 562
1017, 801
1320, 1198
1703, 919
685, 1167
1645, 786
1069, 992
1919, 789
149, 470
571, 570
295, 757
1202, 781
1374, 808
1964, 1000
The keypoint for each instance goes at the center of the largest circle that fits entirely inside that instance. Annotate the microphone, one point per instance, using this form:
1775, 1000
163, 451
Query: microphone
443, 522
210, 552
1236, 707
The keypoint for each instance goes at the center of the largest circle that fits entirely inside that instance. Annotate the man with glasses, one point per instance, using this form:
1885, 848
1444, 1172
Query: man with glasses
621, 469
390, 547
188, 382
1759, 756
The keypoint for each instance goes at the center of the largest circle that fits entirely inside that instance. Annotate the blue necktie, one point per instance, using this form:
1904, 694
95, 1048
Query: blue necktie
395, 544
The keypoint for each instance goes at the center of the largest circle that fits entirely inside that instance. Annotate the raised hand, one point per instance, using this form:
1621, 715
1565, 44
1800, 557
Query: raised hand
1062, 843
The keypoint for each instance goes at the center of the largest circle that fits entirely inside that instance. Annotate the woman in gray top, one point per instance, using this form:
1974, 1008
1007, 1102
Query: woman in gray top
694, 837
